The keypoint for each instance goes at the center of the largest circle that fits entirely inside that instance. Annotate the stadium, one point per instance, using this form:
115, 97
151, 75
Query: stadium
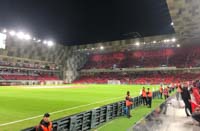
83, 87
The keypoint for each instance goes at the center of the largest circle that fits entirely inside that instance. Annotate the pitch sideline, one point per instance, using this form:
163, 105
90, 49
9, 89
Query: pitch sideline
67, 109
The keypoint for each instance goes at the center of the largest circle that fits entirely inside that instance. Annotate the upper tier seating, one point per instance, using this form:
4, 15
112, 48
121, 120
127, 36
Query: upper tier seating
27, 65
178, 57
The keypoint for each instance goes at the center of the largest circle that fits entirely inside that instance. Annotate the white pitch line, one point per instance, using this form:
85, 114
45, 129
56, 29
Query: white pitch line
67, 109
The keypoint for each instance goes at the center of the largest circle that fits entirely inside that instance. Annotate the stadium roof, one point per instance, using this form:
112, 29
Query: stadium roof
186, 18
80, 22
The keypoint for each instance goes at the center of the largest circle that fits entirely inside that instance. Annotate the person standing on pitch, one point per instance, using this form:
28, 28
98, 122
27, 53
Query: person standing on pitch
144, 96
129, 103
178, 91
166, 92
149, 98
161, 91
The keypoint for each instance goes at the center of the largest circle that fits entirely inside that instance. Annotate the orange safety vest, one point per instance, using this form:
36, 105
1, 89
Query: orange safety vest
149, 94
144, 94
49, 128
128, 102
161, 89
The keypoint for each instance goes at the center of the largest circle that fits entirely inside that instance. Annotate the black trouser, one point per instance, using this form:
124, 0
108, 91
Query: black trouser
166, 96
149, 100
128, 111
160, 95
187, 106
144, 100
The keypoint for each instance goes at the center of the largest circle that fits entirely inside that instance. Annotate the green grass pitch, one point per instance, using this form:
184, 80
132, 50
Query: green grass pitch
19, 103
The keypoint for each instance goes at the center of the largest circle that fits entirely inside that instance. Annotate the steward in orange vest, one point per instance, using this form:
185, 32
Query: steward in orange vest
129, 103
149, 98
45, 123
144, 96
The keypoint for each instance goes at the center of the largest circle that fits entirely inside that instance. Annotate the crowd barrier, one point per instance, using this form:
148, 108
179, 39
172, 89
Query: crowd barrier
91, 119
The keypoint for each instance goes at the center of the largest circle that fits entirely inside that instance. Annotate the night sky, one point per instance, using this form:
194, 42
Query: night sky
73, 22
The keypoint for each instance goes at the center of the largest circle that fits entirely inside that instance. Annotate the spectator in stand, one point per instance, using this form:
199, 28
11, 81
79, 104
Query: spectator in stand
149, 98
45, 123
185, 94
144, 96
166, 92
129, 103
161, 91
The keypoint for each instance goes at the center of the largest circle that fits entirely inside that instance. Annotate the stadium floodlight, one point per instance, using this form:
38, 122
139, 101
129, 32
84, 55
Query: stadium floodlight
20, 35
27, 37
166, 40
12, 33
154, 41
178, 45
101, 47
50, 43
137, 44
34, 38
4, 30
45, 42
172, 23
173, 40
38, 40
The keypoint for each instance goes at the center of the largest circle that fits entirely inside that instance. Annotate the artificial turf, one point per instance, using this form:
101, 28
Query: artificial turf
18, 103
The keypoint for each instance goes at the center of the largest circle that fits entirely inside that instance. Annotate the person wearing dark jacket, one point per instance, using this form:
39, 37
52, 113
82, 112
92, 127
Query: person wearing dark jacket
149, 98
185, 94
45, 123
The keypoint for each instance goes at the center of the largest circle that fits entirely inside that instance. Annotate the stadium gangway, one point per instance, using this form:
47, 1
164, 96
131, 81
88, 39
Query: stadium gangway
91, 119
